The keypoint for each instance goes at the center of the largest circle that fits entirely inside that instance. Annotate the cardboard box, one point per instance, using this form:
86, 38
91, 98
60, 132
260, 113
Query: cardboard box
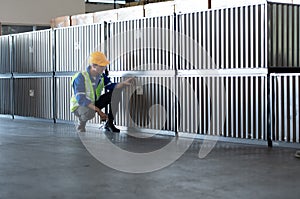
186, 6
233, 3
82, 19
159, 9
136, 12
59, 22
107, 15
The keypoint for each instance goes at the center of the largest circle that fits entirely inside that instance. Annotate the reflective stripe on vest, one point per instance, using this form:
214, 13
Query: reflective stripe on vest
89, 90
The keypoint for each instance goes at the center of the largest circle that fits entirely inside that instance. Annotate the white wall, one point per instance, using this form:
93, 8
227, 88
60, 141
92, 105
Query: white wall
37, 12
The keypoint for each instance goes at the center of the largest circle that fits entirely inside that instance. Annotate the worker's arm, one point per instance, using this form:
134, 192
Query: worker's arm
79, 91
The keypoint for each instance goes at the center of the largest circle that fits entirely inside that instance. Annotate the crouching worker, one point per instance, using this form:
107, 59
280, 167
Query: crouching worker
87, 88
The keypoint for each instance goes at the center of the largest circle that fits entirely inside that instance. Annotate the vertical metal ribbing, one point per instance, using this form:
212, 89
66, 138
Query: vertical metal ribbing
218, 107
151, 39
275, 107
158, 47
279, 108
209, 39
231, 38
11, 66
70, 49
227, 39
223, 104
227, 106
279, 51
290, 35
204, 40
247, 38
271, 105
232, 126
209, 105
237, 37
296, 36
137, 45
75, 48
256, 38
214, 106
297, 109
130, 52
251, 37
252, 113
143, 42
263, 103
247, 107
194, 118
117, 45
222, 39
291, 108
284, 35
53, 68
237, 106
204, 102
256, 101
285, 109
242, 113
161, 115
122, 46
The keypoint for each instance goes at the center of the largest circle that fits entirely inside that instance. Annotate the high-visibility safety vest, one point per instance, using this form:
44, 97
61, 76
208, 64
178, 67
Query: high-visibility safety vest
89, 90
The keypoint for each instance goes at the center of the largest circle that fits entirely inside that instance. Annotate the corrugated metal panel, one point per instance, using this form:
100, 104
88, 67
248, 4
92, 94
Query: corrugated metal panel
223, 38
148, 104
63, 96
74, 45
32, 52
284, 31
141, 45
33, 97
285, 107
230, 106
4, 54
5, 93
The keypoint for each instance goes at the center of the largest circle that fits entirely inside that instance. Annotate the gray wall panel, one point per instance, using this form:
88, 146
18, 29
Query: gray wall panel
283, 35
4, 54
63, 96
5, 93
231, 106
148, 104
285, 107
32, 52
74, 44
33, 97
142, 44
224, 38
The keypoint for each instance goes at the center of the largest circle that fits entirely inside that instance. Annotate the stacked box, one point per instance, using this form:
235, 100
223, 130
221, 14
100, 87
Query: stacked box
109, 16
82, 19
58, 22
159, 9
184, 6
135, 12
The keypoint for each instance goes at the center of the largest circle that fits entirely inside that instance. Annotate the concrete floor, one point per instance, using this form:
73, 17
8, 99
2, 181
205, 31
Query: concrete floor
45, 160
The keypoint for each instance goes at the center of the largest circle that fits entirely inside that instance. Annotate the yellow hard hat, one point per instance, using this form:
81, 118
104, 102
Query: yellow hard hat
98, 58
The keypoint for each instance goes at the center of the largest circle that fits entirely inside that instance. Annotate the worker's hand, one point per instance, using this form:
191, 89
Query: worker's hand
126, 82
102, 115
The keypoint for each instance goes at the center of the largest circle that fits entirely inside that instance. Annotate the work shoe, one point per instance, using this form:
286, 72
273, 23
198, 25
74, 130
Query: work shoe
297, 154
81, 127
111, 127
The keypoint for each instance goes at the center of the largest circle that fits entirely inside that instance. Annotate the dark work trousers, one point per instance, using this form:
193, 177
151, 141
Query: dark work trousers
112, 99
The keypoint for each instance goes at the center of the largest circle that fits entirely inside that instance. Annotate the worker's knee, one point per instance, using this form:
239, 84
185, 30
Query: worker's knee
84, 113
